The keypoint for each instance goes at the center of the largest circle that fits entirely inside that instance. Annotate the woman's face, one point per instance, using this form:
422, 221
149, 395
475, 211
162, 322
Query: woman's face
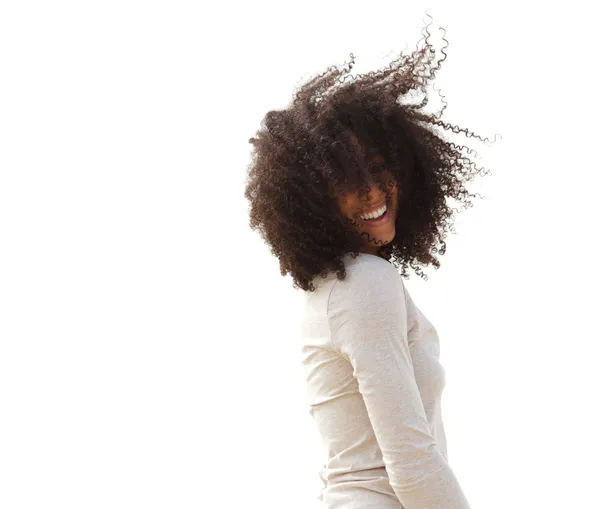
376, 232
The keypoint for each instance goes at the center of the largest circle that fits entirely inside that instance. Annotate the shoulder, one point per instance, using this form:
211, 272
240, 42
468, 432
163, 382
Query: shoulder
368, 279
369, 271
370, 299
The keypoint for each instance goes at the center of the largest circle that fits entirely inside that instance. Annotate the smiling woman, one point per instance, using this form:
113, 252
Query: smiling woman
351, 177
343, 147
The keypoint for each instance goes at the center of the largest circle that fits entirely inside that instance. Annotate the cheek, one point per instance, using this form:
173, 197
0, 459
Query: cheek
347, 213
344, 211
345, 206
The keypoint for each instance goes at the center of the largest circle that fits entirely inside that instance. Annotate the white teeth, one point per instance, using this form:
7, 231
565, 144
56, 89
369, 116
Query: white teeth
375, 214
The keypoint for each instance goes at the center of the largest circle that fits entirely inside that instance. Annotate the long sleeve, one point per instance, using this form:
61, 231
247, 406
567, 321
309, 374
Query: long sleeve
367, 317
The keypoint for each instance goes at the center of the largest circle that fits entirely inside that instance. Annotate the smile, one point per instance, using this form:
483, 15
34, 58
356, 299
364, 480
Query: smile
381, 220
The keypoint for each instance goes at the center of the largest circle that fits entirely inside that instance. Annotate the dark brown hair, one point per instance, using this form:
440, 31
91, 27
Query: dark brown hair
323, 145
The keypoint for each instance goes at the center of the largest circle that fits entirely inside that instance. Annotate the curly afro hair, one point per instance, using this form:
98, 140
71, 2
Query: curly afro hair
325, 143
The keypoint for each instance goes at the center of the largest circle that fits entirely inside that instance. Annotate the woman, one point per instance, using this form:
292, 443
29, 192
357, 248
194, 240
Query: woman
348, 184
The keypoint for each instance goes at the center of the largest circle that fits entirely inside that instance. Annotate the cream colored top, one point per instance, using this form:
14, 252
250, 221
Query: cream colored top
374, 385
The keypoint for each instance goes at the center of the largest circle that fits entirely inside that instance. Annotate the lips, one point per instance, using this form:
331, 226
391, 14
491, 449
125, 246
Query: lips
379, 221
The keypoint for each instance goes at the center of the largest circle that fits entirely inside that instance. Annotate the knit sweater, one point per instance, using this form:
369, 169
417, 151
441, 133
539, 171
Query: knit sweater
374, 386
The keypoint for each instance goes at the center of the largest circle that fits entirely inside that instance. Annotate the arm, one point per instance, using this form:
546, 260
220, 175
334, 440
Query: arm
368, 321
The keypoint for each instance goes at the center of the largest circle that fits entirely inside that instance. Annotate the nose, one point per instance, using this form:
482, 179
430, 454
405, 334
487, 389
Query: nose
372, 196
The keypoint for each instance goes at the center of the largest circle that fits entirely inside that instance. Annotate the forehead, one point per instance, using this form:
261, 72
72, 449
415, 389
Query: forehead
364, 151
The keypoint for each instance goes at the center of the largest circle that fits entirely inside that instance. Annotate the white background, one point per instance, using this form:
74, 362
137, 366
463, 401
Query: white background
149, 347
